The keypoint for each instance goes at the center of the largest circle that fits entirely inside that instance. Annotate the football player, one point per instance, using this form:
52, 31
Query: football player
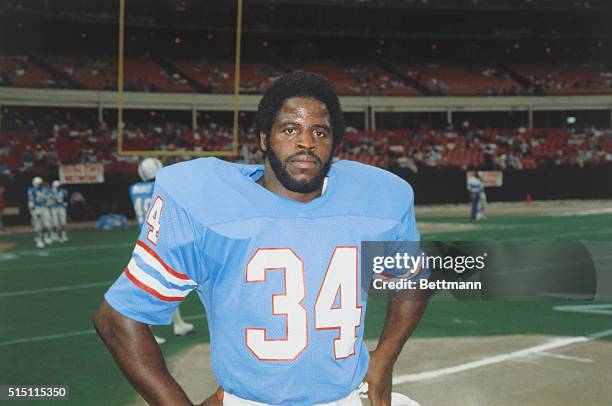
476, 189
273, 253
140, 194
39, 212
57, 207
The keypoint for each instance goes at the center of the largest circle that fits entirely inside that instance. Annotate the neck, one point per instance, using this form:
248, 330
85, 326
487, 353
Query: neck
271, 182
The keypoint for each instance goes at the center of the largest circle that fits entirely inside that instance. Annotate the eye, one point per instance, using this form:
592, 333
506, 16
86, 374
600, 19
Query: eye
290, 130
320, 134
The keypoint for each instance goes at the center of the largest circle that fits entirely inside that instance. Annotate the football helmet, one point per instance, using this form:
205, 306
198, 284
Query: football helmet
148, 167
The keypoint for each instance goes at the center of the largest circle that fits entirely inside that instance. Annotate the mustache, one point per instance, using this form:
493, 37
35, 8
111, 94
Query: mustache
304, 155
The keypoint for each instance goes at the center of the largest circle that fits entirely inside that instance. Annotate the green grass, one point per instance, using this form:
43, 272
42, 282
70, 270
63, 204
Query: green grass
96, 257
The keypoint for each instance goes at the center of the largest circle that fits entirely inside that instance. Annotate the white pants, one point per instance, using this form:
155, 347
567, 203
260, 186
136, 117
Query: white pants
41, 218
352, 399
58, 216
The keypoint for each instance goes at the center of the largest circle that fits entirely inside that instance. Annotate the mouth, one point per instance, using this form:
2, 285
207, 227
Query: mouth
304, 162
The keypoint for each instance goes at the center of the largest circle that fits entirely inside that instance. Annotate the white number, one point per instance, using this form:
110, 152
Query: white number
141, 207
289, 304
341, 279
153, 220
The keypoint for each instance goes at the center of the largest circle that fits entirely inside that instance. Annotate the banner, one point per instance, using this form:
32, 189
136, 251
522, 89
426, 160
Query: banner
81, 173
489, 178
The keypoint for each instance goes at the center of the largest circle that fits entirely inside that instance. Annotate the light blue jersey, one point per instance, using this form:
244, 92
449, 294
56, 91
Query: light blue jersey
140, 194
57, 198
37, 197
279, 279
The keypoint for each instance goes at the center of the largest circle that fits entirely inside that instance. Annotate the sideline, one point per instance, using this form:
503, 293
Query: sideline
554, 344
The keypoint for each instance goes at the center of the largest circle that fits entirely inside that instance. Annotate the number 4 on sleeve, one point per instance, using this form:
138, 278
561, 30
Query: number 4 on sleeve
153, 220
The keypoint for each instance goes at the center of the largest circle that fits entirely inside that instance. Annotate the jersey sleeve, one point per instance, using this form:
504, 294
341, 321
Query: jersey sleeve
164, 266
30, 199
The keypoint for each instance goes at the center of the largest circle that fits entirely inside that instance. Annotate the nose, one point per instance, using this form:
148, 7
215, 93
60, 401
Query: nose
306, 142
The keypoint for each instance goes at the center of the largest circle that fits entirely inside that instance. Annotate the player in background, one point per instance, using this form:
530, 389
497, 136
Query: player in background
140, 194
58, 201
41, 219
478, 197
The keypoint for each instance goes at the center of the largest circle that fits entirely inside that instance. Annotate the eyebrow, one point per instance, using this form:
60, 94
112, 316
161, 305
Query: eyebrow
324, 126
289, 122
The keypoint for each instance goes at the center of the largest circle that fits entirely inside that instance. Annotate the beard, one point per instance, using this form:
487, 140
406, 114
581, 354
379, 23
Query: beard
288, 181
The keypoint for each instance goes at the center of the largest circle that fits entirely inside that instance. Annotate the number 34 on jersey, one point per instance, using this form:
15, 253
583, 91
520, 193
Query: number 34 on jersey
340, 281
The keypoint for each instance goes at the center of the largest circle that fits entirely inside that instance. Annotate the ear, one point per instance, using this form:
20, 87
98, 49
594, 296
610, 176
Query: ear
262, 141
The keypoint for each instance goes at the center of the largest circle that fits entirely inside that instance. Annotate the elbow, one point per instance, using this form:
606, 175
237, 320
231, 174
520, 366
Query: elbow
101, 322
97, 322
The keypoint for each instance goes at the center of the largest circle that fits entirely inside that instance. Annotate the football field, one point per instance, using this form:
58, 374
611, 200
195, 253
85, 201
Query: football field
476, 353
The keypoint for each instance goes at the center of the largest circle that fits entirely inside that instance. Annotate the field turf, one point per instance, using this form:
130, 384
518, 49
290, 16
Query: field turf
48, 296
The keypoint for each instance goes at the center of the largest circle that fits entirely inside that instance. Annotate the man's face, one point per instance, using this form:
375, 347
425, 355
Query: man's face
300, 144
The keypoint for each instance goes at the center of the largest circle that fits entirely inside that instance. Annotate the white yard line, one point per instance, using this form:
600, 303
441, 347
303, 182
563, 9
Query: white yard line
594, 309
496, 359
70, 249
54, 289
45, 338
70, 334
565, 357
584, 212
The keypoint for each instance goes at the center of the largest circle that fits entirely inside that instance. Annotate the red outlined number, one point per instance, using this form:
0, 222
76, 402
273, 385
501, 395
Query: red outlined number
341, 278
288, 304
153, 220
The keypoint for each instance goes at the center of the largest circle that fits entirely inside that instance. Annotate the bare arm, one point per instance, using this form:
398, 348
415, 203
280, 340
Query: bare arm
402, 318
138, 355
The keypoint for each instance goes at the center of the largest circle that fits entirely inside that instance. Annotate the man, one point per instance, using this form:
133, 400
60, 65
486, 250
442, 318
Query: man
140, 194
272, 251
478, 198
58, 201
39, 213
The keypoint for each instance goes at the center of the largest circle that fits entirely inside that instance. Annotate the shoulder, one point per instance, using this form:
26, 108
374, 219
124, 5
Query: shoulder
203, 185
371, 180
175, 178
373, 192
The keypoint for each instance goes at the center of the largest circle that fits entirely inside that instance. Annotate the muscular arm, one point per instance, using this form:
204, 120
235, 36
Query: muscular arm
138, 355
402, 318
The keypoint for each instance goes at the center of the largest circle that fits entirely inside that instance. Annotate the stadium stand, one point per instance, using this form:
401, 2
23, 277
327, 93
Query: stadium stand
452, 79
19, 71
99, 72
566, 78
40, 145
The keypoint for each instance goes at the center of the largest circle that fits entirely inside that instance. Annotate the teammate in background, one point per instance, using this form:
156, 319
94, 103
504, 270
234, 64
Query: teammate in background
57, 207
41, 218
478, 197
273, 252
140, 194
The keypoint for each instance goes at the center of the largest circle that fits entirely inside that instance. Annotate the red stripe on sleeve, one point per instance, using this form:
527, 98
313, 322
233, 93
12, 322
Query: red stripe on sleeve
166, 267
151, 290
